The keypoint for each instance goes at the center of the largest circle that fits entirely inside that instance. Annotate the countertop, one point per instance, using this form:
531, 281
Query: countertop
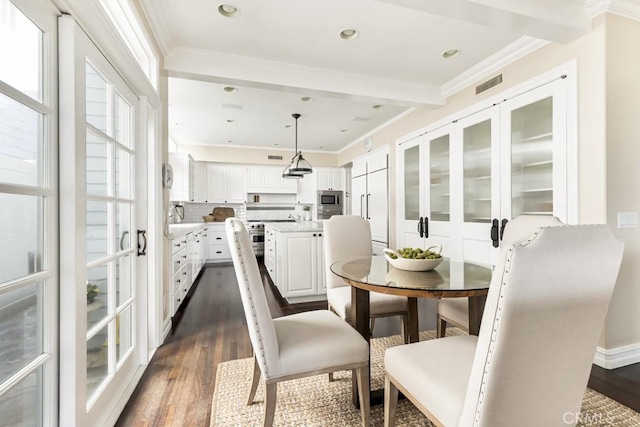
177, 230
295, 227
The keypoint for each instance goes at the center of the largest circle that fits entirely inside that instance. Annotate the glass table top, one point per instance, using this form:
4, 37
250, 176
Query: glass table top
450, 275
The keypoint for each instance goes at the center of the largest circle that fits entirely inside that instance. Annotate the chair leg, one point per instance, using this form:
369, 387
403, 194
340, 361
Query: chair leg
271, 391
254, 382
372, 322
441, 327
364, 395
390, 402
330, 376
405, 328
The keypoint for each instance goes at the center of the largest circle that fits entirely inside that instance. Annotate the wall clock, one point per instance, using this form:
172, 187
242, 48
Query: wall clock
368, 143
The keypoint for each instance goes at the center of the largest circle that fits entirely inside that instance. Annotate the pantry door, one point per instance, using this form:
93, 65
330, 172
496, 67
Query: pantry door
102, 232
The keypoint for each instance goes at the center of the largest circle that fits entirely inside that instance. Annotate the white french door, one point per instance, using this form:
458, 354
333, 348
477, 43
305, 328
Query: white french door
412, 194
28, 219
102, 222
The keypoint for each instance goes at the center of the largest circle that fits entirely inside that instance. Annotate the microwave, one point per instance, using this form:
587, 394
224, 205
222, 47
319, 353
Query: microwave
329, 199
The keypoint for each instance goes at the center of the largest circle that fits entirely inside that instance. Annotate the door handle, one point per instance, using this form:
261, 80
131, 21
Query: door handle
504, 223
420, 231
142, 248
368, 217
425, 226
362, 206
494, 233
124, 234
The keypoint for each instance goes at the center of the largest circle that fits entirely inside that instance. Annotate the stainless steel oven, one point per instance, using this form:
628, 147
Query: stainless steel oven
256, 235
330, 203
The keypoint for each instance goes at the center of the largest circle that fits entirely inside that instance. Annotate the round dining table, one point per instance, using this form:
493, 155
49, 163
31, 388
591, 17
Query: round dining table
450, 279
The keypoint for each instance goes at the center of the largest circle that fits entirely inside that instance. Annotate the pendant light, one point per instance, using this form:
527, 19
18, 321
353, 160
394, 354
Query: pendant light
298, 166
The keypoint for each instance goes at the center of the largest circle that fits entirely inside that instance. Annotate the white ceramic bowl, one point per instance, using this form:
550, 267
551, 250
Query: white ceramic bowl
414, 264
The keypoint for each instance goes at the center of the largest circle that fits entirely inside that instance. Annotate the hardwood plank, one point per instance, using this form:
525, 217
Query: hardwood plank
177, 387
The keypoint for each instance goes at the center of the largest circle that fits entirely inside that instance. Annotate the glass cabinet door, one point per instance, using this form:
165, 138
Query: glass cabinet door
412, 183
477, 170
439, 179
534, 144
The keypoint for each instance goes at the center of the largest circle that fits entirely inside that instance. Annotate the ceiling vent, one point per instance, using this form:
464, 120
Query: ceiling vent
360, 119
231, 106
274, 157
489, 84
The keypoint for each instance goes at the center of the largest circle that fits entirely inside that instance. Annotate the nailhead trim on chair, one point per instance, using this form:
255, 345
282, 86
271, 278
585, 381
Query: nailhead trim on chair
261, 356
496, 324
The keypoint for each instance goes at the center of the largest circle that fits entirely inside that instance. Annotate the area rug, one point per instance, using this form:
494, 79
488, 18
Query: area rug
314, 401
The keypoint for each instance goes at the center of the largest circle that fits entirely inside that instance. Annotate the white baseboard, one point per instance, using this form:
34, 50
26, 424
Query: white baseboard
166, 328
126, 395
612, 358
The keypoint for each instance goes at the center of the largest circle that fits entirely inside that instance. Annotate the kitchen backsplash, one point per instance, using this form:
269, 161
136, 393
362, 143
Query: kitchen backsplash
193, 212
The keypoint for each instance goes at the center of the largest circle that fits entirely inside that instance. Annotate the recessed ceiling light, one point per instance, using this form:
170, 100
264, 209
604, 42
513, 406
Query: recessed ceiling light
230, 89
228, 10
276, 145
349, 34
321, 147
288, 126
230, 121
450, 53
230, 140
178, 123
306, 99
377, 106
344, 130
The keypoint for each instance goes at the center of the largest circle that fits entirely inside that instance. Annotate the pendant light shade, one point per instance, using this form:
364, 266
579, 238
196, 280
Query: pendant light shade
299, 166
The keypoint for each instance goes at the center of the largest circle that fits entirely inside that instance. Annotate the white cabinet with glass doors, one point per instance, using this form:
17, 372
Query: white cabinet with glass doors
460, 184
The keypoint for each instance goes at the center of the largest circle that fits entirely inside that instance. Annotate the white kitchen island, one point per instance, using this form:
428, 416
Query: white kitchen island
294, 257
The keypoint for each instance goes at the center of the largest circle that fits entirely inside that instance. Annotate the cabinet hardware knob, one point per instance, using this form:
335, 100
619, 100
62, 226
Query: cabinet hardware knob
178, 280
218, 238
218, 252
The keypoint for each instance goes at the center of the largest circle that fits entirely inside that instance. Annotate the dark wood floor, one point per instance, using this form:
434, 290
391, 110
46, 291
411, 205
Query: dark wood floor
177, 388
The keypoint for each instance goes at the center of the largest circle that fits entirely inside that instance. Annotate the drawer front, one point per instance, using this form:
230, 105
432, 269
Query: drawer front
180, 279
178, 244
179, 260
217, 238
219, 252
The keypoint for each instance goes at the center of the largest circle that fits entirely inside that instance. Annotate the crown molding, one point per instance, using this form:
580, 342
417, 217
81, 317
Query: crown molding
516, 50
154, 12
626, 8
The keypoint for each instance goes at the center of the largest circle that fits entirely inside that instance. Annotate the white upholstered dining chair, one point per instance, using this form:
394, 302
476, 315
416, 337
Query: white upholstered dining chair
349, 236
530, 364
295, 346
455, 311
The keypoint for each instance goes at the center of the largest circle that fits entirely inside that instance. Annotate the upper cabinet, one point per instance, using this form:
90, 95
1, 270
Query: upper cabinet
226, 184
182, 188
461, 183
268, 179
330, 178
199, 182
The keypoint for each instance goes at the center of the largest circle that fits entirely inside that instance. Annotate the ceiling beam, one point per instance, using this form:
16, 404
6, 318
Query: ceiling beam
252, 72
559, 21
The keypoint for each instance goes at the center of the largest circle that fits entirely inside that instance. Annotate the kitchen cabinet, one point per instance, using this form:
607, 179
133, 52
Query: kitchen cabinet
269, 180
217, 245
183, 176
226, 183
180, 273
300, 269
459, 184
199, 182
330, 178
307, 189
370, 196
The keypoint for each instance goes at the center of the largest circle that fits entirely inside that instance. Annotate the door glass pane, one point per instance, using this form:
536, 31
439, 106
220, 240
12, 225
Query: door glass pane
20, 328
97, 99
97, 361
97, 294
97, 215
123, 181
22, 231
412, 183
477, 172
124, 329
439, 178
20, 143
122, 122
20, 50
22, 404
97, 165
123, 279
532, 159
